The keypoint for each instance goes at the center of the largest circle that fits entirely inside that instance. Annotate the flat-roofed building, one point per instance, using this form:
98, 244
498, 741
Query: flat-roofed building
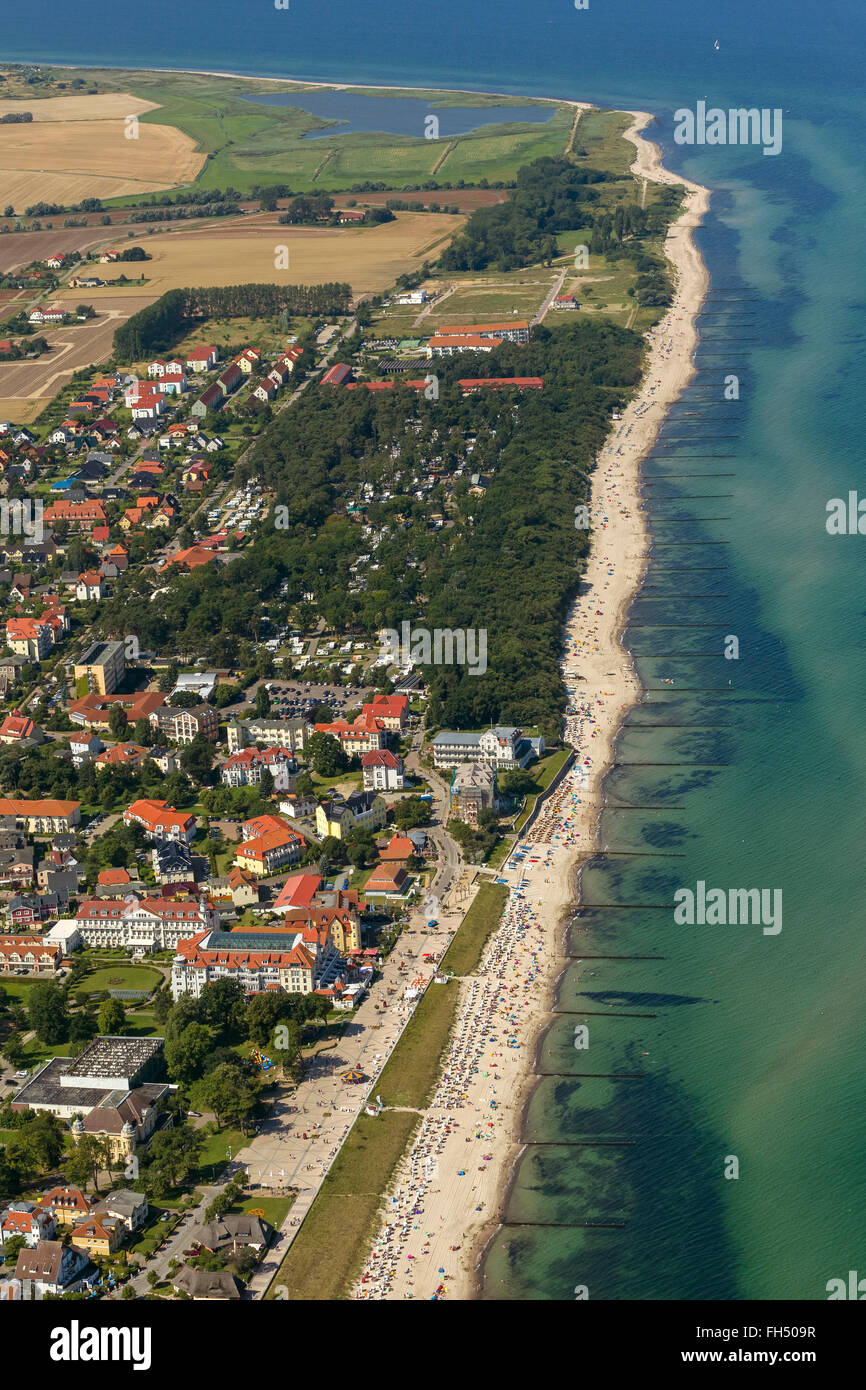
103, 666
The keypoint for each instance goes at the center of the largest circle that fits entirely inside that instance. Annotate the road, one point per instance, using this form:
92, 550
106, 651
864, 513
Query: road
297, 1146
557, 287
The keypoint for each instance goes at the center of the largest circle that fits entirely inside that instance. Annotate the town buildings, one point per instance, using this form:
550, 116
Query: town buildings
502, 747
138, 923
102, 667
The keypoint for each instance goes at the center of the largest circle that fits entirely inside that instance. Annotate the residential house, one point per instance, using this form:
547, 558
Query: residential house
358, 811
183, 725
382, 771
41, 817
161, 821
269, 843
54, 1268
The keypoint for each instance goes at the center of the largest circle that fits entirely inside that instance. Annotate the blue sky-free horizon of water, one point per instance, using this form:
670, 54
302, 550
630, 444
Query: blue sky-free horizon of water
757, 1042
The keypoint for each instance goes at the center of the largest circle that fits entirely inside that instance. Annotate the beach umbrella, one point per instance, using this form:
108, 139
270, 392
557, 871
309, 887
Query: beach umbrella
352, 1076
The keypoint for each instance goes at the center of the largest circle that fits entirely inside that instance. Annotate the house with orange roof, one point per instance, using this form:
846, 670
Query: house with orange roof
30, 637
161, 821
391, 710
387, 881
100, 1235
268, 844
17, 726
122, 755
190, 559
113, 878
397, 850
298, 892
362, 735
83, 516
90, 586
47, 817
93, 711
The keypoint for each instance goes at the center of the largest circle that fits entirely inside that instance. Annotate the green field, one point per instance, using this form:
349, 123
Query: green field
328, 1251
464, 953
118, 977
249, 144
411, 1072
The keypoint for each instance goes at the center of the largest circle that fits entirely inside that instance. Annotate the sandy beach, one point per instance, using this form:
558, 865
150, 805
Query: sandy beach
448, 1195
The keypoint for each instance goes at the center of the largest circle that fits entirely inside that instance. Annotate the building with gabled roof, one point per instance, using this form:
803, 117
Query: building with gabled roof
139, 923
296, 962
161, 821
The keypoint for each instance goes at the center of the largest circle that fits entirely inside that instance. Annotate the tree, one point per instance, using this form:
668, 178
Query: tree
184, 699
13, 1049
517, 783
128, 1292
86, 1160
12, 1247
222, 1093
118, 722
112, 1017
162, 1005
263, 1013
47, 1012
42, 1138
263, 702
196, 759
323, 751
144, 733
185, 1056
222, 1005
411, 812
285, 1047
172, 1155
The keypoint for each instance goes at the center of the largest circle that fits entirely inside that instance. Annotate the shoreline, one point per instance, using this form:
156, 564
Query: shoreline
456, 1178
300, 81
692, 283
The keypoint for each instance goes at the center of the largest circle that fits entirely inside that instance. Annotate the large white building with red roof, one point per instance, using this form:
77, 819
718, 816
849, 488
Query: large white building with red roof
383, 771
296, 962
144, 924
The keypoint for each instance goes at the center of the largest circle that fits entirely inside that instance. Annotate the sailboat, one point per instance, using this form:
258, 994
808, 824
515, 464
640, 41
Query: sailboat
717, 44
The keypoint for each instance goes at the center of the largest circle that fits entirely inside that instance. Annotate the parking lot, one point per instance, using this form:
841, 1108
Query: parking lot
297, 699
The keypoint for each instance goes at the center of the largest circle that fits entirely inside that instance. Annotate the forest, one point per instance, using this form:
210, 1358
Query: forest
508, 564
160, 325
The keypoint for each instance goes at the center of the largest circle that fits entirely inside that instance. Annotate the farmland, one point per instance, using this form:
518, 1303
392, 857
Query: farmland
63, 158
370, 258
28, 386
243, 144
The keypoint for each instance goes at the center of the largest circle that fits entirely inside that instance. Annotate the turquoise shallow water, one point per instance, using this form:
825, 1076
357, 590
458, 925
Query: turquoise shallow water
750, 1045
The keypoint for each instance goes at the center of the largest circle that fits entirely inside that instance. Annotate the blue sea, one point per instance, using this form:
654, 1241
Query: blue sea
737, 1045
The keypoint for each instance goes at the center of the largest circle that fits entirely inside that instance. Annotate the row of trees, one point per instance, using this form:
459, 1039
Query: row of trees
158, 326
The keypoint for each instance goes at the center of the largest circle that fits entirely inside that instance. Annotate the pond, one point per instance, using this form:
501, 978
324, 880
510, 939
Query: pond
397, 115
